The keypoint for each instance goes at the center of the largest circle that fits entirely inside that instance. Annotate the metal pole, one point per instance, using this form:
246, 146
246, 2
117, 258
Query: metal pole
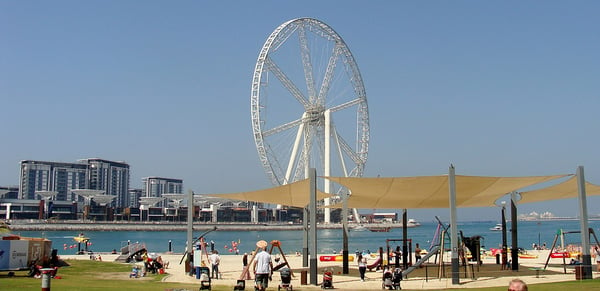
313, 226
585, 230
46, 278
504, 244
190, 227
514, 238
453, 228
404, 239
327, 166
345, 267
305, 238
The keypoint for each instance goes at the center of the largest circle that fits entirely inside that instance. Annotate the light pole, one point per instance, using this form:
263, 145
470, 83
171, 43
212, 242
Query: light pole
504, 244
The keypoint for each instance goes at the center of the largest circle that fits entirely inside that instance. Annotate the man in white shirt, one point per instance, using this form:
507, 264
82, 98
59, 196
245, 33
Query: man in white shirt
262, 266
215, 259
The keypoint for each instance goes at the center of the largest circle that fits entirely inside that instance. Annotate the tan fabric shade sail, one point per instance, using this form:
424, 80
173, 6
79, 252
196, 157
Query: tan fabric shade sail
296, 194
432, 191
564, 190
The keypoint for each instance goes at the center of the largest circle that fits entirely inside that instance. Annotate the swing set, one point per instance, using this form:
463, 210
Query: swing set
274, 244
566, 252
442, 238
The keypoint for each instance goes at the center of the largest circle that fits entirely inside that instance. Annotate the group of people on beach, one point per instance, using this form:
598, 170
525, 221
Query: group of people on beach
150, 265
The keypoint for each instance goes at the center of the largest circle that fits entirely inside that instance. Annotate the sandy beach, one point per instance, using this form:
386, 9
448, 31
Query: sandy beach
487, 275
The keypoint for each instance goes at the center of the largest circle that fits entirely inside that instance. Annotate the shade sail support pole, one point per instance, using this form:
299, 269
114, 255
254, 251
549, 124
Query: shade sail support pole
312, 175
585, 230
453, 228
514, 251
190, 226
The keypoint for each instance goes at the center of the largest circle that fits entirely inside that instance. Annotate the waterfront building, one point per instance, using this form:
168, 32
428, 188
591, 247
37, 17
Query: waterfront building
134, 198
37, 209
9, 192
51, 176
109, 176
94, 174
156, 186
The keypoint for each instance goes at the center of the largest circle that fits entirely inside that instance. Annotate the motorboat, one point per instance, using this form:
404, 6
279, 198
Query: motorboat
412, 223
498, 227
358, 227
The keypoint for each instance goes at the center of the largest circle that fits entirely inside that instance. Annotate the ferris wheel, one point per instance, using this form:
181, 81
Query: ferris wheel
308, 105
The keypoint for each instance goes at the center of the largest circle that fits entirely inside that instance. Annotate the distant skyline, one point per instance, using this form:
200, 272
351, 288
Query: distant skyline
504, 88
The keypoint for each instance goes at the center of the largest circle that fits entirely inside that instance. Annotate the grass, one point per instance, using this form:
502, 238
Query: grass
92, 275
96, 275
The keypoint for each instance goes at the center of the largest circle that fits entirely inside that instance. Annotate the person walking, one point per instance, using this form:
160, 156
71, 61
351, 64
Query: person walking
245, 259
417, 253
215, 260
362, 266
262, 266
597, 251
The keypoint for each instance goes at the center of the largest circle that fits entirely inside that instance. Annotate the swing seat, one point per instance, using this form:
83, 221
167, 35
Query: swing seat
279, 266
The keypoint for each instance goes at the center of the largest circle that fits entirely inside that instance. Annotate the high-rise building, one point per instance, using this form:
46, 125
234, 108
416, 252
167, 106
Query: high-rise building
51, 176
134, 198
112, 177
156, 186
95, 174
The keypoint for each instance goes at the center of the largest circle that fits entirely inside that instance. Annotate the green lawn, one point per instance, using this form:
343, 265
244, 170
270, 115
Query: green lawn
96, 275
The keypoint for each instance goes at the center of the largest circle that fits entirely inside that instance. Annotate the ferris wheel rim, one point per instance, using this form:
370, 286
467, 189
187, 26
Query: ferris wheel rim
356, 80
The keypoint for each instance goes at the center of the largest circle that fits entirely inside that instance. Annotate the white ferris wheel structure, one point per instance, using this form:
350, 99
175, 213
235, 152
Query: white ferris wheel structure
309, 106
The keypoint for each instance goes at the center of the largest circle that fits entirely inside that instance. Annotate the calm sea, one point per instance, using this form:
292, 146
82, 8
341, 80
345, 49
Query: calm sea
329, 240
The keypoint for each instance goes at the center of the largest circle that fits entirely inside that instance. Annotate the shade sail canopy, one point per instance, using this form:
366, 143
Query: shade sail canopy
432, 191
296, 194
564, 190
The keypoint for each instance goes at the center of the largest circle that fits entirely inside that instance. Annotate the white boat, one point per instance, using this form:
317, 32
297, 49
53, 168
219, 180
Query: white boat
412, 223
358, 227
498, 227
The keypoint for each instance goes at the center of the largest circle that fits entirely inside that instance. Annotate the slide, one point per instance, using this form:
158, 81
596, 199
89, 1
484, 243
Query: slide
419, 263
375, 264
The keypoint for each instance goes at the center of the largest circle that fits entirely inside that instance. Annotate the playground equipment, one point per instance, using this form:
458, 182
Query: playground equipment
274, 244
566, 252
441, 234
398, 253
433, 251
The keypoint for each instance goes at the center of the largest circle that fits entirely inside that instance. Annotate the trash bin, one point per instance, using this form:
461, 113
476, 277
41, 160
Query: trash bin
303, 277
578, 272
497, 259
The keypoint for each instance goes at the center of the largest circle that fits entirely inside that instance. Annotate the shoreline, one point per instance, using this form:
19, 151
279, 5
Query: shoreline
167, 226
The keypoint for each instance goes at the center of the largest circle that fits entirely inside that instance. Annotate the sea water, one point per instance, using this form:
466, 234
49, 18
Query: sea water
329, 240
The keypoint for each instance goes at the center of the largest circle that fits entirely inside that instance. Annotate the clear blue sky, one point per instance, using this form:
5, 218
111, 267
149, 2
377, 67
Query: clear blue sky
498, 88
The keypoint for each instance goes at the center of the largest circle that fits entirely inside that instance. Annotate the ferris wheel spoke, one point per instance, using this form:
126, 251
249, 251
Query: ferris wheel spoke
286, 82
346, 105
339, 151
348, 149
307, 64
282, 127
274, 166
331, 64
